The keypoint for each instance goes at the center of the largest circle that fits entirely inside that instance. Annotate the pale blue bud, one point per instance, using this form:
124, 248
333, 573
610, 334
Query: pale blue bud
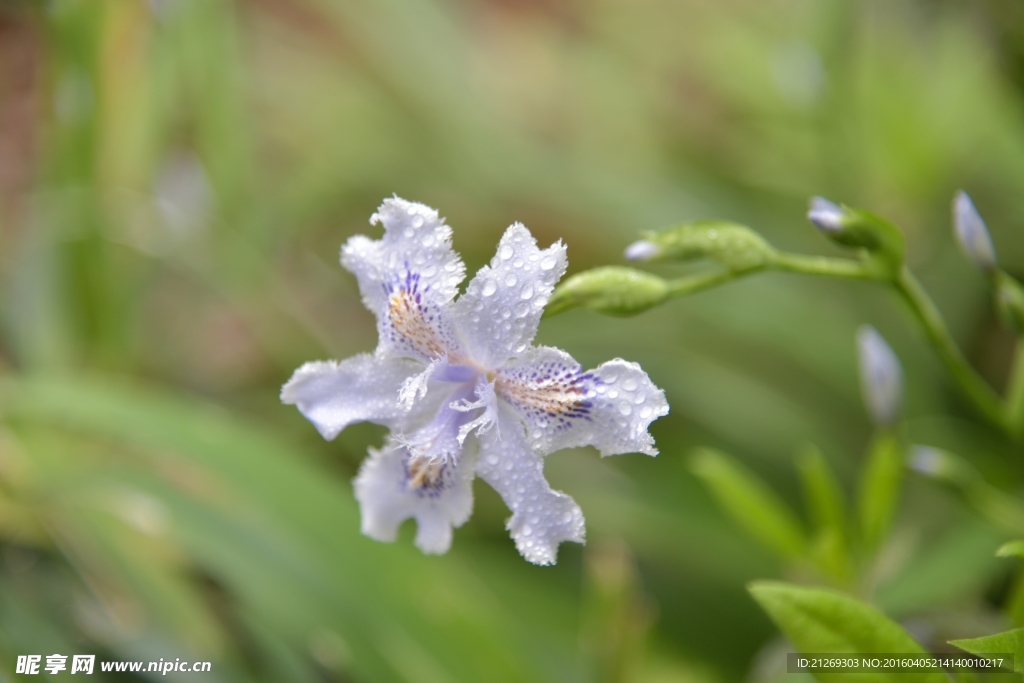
928, 461
972, 233
881, 377
827, 216
641, 251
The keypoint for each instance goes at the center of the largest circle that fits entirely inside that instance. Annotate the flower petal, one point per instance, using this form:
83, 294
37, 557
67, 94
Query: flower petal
362, 388
498, 315
541, 518
392, 486
564, 407
407, 279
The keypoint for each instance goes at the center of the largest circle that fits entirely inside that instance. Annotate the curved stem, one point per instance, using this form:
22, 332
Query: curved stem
928, 317
823, 265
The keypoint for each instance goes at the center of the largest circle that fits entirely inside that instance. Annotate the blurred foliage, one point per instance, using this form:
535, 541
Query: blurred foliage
176, 177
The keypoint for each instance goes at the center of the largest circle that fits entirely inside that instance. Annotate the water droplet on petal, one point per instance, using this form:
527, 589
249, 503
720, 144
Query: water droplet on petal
493, 459
506, 252
489, 288
511, 280
625, 409
519, 263
548, 263
630, 384
527, 293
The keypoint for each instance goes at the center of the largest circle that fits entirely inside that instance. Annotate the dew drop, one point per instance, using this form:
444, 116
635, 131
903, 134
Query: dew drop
527, 530
645, 412
522, 309
430, 271
613, 393
630, 384
490, 287
625, 409
408, 232
511, 280
506, 312
518, 263
548, 263
493, 459
506, 252
527, 293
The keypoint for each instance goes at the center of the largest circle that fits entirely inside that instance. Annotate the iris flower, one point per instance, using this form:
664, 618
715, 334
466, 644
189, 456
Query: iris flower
462, 389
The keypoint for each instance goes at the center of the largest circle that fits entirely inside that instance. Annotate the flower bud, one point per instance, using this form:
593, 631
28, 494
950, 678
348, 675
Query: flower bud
881, 377
1010, 301
972, 233
734, 246
614, 290
827, 216
858, 229
641, 251
941, 465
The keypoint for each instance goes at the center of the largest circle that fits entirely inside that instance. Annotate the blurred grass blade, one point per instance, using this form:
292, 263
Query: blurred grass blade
1008, 642
823, 621
827, 508
1011, 549
881, 481
750, 502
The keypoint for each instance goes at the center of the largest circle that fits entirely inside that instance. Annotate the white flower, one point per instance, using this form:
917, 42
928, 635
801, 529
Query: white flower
463, 390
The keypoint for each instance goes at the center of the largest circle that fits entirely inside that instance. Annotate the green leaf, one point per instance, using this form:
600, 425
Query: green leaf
1011, 549
750, 502
822, 621
881, 479
827, 508
735, 246
614, 290
1008, 642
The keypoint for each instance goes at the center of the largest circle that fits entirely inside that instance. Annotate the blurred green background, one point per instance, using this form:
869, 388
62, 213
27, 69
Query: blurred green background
176, 178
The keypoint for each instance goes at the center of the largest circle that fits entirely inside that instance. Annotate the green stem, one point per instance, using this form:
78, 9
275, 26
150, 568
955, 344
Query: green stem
1015, 392
697, 283
793, 263
823, 265
928, 317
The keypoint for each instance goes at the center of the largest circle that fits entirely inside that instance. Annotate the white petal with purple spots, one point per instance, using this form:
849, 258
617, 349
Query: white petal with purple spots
393, 486
562, 406
407, 279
